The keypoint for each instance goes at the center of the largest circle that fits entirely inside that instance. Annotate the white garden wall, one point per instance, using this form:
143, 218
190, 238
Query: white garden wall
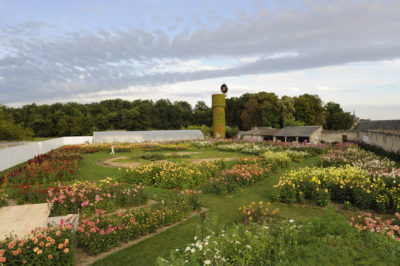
145, 136
13, 156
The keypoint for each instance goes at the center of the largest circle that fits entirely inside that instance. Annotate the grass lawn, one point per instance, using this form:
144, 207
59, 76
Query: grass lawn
90, 170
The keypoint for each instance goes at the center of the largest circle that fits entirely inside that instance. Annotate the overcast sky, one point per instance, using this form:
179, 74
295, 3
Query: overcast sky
76, 50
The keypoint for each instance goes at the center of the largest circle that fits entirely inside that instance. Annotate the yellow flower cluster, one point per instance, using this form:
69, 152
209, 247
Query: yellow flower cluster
256, 212
172, 174
346, 183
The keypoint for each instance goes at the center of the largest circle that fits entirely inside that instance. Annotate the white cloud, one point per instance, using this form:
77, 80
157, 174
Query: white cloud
317, 48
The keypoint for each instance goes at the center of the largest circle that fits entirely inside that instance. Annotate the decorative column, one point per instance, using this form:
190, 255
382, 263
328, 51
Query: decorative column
218, 106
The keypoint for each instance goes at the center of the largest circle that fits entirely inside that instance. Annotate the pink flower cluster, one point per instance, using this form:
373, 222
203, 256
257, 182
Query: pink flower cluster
89, 196
241, 175
366, 222
343, 154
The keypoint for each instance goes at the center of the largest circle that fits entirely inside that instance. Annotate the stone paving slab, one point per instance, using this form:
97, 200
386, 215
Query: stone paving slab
72, 219
21, 219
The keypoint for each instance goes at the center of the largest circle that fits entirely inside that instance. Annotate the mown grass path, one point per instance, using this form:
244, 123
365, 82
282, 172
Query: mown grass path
224, 209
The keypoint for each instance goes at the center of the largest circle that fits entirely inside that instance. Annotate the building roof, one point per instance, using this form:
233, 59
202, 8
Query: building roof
303, 131
260, 131
364, 125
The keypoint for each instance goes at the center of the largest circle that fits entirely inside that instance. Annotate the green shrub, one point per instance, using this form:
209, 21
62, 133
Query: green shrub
153, 156
231, 131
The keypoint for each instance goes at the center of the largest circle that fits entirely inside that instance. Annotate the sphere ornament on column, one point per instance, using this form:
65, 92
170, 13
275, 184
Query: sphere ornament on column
224, 88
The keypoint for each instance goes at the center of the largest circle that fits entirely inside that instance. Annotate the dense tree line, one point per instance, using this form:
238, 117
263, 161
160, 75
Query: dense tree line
267, 109
245, 112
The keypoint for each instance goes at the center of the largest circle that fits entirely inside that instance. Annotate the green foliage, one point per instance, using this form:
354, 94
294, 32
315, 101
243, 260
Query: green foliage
309, 109
153, 156
207, 131
231, 131
202, 114
245, 112
291, 122
9, 130
250, 116
336, 119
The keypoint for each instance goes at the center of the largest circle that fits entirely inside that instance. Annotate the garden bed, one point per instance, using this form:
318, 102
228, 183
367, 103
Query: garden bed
82, 258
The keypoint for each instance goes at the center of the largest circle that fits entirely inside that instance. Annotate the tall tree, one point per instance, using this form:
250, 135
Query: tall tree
269, 109
250, 116
336, 118
309, 109
287, 110
185, 111
202, 114
9, 130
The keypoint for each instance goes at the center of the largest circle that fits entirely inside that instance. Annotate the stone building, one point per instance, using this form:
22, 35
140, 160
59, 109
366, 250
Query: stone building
310, 134
258, 134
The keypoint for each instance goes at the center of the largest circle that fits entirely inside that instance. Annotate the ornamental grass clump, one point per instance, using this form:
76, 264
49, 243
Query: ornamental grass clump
52, 245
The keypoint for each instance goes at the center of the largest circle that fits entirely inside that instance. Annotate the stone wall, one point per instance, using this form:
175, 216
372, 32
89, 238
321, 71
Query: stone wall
337, 136
389, 141
253, 138
316, 136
